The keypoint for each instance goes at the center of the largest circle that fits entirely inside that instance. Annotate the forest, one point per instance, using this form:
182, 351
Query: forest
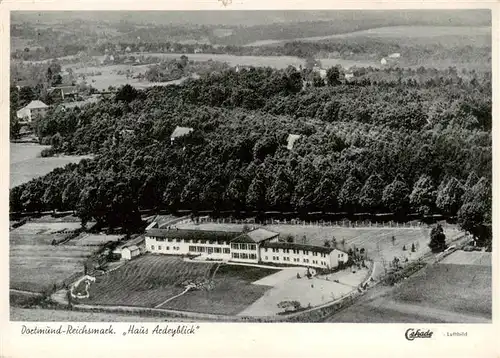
396, 141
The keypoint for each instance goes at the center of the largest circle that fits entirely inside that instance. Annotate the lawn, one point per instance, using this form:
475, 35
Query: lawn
456, 288
233, 291
147, 281
35, 264
441, 293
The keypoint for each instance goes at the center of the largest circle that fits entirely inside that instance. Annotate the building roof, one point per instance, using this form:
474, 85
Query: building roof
256, 236
193, 234
291, 245
292, 138
35, 105
180, 131
132, 248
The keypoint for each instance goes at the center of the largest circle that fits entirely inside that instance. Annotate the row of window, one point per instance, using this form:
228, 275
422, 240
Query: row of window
209, 250
297, 260
175, 248
244, 247
194, 241
244, 256
294, 251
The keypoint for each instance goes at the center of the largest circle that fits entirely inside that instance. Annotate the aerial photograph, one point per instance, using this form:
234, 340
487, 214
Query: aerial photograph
329, 166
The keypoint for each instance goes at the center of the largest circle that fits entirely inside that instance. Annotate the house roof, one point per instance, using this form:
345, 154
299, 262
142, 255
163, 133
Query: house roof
35, 105
291, 245
193, 234
181, 131
256, 236
132, 248
292, 138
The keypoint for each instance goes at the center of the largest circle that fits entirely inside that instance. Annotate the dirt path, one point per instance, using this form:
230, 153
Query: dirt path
26, 292
173, 297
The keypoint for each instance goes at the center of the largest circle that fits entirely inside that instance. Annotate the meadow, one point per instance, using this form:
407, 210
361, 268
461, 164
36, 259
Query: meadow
441, 293
26, 163
146, 281
35, 264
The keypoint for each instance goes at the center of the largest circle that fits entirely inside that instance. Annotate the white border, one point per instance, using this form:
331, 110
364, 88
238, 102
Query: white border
245, 340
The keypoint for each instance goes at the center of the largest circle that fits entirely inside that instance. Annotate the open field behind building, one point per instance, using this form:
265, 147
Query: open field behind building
441, 293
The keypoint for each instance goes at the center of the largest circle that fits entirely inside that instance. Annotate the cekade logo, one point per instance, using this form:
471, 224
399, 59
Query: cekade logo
411, 334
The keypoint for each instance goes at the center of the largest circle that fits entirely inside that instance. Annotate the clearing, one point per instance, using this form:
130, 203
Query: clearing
35, 264
441, 293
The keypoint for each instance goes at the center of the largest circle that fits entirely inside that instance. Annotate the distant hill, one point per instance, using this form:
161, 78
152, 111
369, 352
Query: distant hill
259, 18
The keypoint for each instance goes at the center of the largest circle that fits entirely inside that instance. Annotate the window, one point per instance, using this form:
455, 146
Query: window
170, 240
236, 255
152, 247
159, 247
253, 257
275, 258
203, 242
340, 255
200, 249
315, 254
243, 246
235, 246
305, 252
265, 249
160, 239
306, 260
286, 251
227, 250
195, 241
217, 250
244, 256
265, 257
191, 248
178, 240
167, 247
252, 247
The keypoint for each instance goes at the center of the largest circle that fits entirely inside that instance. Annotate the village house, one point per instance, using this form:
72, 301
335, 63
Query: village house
180, 132
292, 138
64, 91
348, 76
130, 252
33, 110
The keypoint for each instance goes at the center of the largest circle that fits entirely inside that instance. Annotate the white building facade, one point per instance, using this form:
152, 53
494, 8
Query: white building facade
256, 246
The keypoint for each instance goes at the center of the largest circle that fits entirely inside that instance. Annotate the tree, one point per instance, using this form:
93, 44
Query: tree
423, 196
349, 194
449, 196
326, 243
395, 197
126, 93
333, 76
413, 247
475, 214
438, 239
370, 197
256, 194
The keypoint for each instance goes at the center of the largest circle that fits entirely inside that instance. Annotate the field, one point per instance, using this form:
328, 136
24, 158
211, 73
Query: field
146, 281
26, 163
469, 258
151, 280
233, 291
94, 240
35, 264
441, 293
51, 315
446, 35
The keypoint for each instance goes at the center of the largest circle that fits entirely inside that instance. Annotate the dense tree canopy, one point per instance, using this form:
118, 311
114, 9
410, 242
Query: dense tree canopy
381, 146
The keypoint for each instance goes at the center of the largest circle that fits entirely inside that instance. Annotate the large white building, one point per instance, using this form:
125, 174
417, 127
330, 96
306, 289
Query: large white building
256, 246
